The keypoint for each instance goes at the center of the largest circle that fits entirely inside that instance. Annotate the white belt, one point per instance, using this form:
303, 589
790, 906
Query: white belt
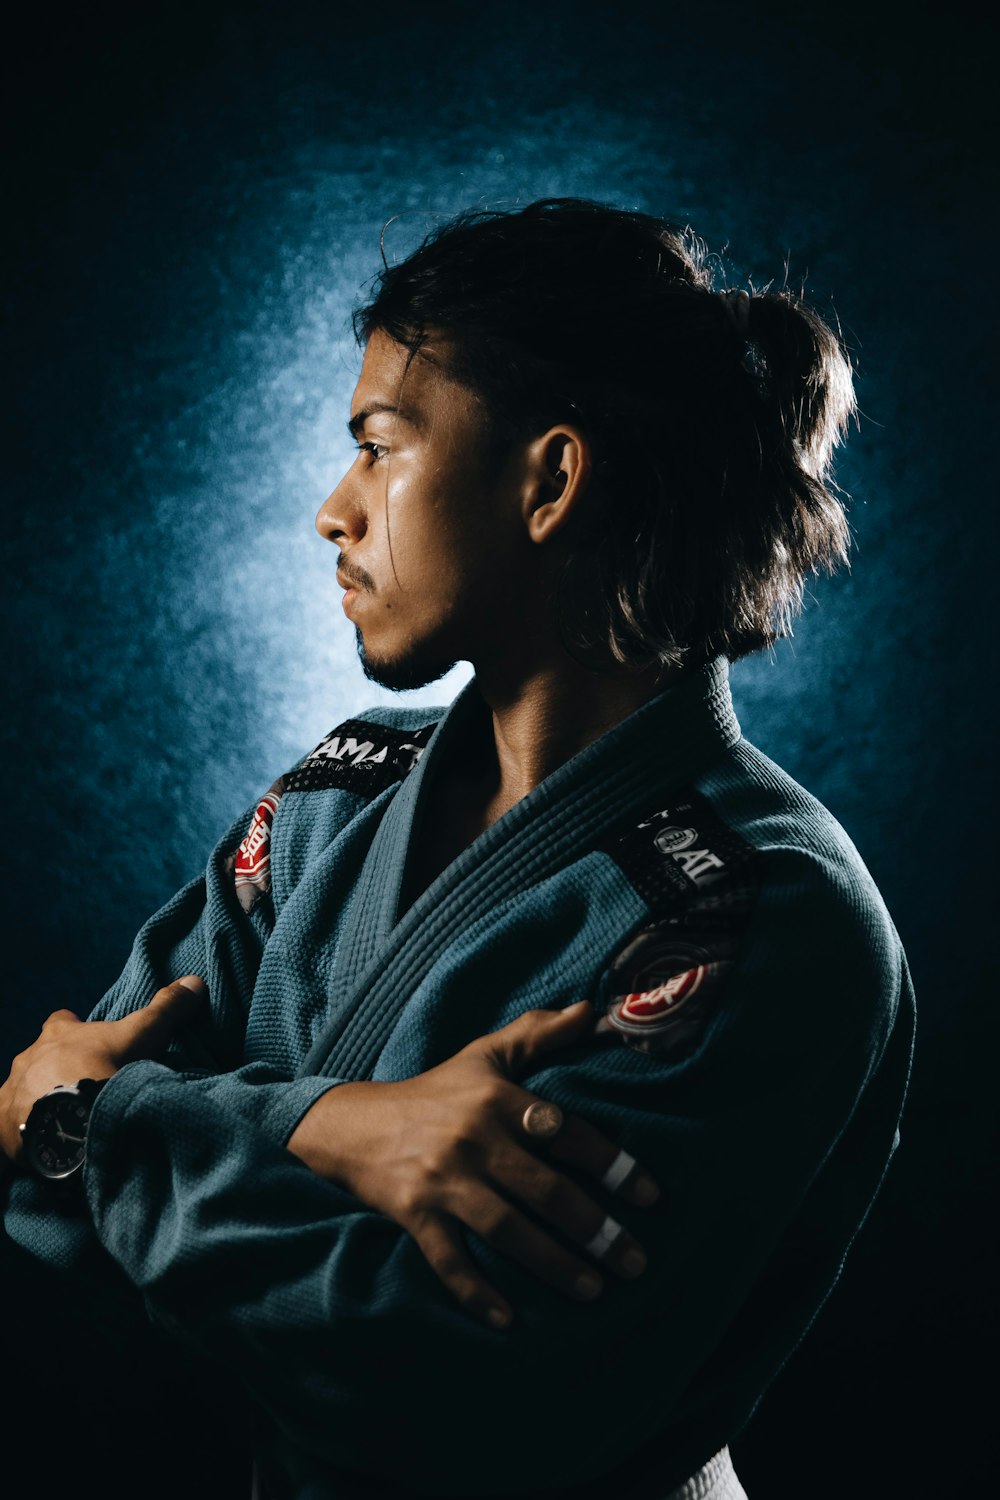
715, 1480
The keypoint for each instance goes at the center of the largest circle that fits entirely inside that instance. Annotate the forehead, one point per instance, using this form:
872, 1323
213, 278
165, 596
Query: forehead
419, 385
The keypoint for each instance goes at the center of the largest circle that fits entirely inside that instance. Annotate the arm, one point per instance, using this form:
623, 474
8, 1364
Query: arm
309, 1297
433, 1166
204, 930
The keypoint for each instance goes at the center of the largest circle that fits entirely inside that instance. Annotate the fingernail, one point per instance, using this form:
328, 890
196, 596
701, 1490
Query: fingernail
587, 1285
194, 983
633, 1262
499, 1317
644, 1190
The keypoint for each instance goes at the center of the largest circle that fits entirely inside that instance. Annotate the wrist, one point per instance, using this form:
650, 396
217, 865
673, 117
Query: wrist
325, 1137
54, 1134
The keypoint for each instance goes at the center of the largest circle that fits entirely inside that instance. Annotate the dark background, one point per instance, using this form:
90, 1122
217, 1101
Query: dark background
193, 203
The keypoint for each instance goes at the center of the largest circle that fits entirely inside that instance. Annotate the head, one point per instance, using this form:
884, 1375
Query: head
572, 443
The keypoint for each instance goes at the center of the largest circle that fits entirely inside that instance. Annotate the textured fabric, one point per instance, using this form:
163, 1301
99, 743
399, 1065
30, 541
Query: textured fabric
762, 1084
715, 1480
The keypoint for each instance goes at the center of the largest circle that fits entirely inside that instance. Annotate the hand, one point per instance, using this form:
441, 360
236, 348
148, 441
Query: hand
69, 1049
448, 1148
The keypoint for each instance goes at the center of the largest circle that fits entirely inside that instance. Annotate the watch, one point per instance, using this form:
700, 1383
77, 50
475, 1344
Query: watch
54, 1136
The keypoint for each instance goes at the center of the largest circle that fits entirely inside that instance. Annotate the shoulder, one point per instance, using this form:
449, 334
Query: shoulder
801, 852
762, 923
818, 913
365, 754
308, 805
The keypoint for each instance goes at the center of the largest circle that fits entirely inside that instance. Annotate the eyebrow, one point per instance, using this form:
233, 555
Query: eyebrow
401, 413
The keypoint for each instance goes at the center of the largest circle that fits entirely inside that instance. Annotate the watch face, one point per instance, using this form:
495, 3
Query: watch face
55, 1142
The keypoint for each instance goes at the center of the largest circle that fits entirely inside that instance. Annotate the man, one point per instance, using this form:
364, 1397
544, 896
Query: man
532, 1064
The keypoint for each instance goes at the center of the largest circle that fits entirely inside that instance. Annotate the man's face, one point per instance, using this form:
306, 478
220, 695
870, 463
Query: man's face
431, 543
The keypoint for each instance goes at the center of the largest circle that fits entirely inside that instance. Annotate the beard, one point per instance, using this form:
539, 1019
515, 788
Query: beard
414, 671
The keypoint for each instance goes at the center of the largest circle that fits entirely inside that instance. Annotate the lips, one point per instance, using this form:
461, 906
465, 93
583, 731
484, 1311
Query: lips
346, 582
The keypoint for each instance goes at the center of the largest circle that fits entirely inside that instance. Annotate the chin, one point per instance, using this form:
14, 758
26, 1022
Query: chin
399, 673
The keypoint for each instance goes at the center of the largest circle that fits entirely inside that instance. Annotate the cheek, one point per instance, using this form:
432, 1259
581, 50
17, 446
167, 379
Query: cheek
441, 538
414, 520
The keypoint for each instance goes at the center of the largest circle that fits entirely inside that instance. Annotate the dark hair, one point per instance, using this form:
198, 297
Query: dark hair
713, 416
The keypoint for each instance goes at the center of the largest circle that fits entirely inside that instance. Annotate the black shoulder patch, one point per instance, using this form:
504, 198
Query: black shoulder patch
680, 851
359, 756
697, 876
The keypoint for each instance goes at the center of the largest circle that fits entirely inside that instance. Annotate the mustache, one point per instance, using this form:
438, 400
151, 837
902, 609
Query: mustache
356, 576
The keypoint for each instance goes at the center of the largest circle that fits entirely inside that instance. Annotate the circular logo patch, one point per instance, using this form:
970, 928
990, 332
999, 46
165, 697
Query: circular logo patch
672, 840
664, 990
650, 1007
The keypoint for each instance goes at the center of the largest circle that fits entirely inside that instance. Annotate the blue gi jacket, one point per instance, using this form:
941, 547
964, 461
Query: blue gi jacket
754, 1054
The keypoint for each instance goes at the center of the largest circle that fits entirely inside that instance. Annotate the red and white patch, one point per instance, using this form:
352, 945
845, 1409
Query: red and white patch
253, 858
650, 1007
665, 989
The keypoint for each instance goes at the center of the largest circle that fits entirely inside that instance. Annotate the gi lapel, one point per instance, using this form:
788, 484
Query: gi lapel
654, 750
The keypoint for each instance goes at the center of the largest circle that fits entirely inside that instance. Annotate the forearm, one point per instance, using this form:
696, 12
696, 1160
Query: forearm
242, 1252
293, 1285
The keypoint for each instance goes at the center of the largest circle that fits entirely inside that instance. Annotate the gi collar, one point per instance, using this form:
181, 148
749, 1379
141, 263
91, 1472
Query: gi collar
663, 744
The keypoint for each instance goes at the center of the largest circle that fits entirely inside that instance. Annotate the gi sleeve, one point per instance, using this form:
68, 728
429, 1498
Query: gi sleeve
313, 1301
206, 930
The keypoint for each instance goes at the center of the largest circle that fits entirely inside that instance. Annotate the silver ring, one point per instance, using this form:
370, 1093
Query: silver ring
605, 1239
542, 1119
618, 1171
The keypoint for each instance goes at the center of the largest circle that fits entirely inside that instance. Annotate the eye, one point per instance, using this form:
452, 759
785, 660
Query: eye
377, 450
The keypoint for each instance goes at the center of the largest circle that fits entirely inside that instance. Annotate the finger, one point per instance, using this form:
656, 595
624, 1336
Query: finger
510, 1232
579, 1145
442, 1248
559, 1202
60, 1017
516, 1046
149, 1028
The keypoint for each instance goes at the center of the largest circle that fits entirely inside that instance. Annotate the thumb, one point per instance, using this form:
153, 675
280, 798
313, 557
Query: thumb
148, 1029
515, 1047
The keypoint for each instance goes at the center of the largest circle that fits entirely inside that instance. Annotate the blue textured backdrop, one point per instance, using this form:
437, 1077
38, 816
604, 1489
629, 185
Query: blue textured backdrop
197, 205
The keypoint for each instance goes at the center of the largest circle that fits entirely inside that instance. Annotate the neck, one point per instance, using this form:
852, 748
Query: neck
543, 717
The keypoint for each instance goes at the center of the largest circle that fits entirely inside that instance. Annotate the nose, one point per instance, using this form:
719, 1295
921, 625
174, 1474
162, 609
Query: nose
340, 517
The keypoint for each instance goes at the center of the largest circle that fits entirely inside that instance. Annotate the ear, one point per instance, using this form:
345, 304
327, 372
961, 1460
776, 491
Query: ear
557, 474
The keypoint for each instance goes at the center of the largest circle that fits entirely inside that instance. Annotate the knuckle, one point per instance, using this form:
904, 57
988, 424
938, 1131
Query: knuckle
462, 1283
469, 1292
447, 1161
497, 1221
439, 1253
447, 1264
435, 1159
492, 1093
463, 1287
546, 1191
535, 1180
411, 1201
